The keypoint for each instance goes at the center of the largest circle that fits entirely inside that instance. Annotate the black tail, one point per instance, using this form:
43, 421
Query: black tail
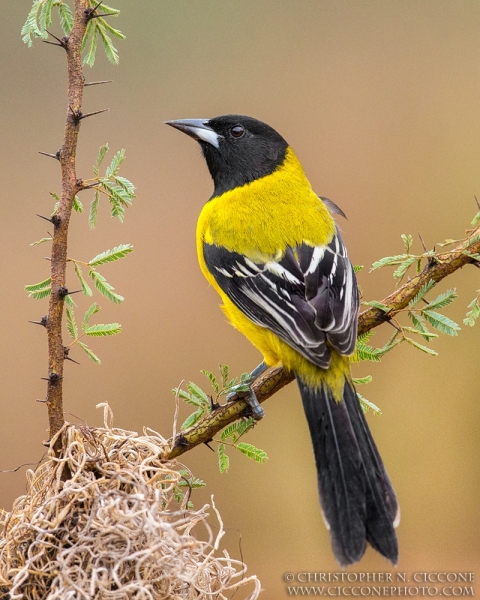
357, 498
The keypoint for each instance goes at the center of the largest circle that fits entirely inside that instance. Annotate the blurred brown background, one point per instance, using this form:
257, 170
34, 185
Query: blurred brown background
381, 100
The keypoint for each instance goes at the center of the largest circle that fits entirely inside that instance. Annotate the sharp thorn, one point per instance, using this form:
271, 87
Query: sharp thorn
389, 321
97, 82
54, 36
53, 43
42, 322
38, 400
46, 218
97, 5
96, 112
71, 359
207, 444
56, 155
66, 351
423, 243
89, 186
478, 203
103, 15
63, 291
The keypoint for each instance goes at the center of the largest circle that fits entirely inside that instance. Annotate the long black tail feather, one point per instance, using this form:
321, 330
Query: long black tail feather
357, 498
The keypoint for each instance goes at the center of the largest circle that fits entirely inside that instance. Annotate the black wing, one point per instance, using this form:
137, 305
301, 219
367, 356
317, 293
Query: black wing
308, 297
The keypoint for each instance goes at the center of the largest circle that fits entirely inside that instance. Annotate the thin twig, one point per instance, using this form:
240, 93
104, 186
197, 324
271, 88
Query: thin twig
276, 378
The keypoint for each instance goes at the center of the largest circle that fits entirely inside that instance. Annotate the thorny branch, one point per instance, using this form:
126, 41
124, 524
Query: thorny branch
274, 379
70, 187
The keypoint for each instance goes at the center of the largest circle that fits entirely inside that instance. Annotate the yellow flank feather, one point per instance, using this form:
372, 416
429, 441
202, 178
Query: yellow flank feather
284, 196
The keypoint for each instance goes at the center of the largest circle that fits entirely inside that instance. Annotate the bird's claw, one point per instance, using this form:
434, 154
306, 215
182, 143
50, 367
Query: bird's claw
249, 397
243, 391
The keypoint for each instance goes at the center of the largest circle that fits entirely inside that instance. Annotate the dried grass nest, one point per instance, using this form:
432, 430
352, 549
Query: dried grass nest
114, 530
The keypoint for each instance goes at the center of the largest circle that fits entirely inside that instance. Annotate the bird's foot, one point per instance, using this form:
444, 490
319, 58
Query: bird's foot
243, 391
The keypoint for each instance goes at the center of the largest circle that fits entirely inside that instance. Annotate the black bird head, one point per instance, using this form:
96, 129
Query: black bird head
238, 149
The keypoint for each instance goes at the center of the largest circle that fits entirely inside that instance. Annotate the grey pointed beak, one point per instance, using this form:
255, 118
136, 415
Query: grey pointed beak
198, 129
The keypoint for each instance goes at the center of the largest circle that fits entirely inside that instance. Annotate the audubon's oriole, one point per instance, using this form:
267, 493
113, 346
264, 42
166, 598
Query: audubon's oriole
270, 247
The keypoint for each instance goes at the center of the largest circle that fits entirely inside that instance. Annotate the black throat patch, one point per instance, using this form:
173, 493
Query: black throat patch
240, 160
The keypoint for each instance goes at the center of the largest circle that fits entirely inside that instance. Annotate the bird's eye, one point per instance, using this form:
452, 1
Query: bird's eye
237, 131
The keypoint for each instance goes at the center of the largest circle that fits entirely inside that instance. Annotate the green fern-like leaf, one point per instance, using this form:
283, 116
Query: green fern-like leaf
94, 308
392, 342
92, 217
186, 397
115, 32
363, 338
127, 185
245, 425
403, 267
90, 41
367, 405
252, 452
212, 379
85, 287
71, 324
91, 354
223, 460
224, 374
192, 419
45, 239
421, 293
379, 305
117, 208
407, 242
77, 205
362, 380
110, 50
101, 155
366, 352
420, 347
46, 283
192, 482
103, 329
441, 322
198, 393
39, 290
45, 14
389, 260
425, 334
443, 300
111, 255
474, 312
104, 287
30, 28
229, 431
419, 325
66, 18
114, 166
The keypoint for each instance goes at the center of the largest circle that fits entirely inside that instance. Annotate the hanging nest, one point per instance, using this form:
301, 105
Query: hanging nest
120, 526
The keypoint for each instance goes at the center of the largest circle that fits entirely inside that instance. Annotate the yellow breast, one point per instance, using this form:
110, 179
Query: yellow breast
260, 220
